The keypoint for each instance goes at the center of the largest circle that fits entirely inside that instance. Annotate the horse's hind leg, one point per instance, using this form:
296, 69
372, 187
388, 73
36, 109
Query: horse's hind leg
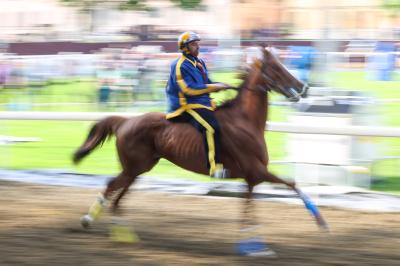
120, 229
115, 185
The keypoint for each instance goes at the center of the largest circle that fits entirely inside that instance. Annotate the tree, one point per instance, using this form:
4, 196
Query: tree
185, 4
393, 6
89, 6
188, 4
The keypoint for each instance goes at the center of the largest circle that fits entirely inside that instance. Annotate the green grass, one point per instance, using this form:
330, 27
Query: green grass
387, 184
60, 139
387, 177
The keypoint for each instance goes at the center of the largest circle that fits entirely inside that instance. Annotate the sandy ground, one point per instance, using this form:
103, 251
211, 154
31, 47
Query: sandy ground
39, 225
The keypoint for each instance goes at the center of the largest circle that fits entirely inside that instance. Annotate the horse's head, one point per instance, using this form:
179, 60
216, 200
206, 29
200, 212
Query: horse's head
275, 76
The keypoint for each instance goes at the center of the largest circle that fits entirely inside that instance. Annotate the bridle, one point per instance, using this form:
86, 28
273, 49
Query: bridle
296, 95
268, 83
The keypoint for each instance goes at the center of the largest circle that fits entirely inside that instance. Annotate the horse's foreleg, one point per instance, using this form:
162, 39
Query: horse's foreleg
250, 243
269, 177
249, 224
248, 218
313, 209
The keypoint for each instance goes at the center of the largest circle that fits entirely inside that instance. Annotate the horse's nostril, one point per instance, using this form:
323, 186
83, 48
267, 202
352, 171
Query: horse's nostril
305, 94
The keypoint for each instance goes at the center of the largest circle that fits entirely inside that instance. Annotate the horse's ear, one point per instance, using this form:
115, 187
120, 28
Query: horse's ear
268, 49
266, 45
262, 46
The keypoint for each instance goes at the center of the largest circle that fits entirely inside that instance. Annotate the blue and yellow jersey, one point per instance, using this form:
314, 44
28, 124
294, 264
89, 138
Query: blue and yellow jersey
188, 86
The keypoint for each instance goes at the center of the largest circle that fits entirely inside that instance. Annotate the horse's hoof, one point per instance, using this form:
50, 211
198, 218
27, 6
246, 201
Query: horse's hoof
263, 253
255, 247
86, 220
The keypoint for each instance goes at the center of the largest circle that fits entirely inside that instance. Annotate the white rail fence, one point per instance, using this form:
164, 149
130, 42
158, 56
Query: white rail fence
371, 131
359, 174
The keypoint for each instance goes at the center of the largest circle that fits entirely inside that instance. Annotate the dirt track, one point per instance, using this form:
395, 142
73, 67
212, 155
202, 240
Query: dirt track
39, 225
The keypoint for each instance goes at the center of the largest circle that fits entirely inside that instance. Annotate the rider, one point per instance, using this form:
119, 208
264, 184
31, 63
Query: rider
188, 93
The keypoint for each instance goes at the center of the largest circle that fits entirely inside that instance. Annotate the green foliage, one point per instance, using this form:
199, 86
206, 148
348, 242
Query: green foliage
393, 6
134, 5
388, 184
188, 4
87, 5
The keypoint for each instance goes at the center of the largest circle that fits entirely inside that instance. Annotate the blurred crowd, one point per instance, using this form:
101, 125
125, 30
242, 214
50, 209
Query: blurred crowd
143, 70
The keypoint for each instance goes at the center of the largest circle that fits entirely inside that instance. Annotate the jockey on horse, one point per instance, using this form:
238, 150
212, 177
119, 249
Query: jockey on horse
143, 140
188, 93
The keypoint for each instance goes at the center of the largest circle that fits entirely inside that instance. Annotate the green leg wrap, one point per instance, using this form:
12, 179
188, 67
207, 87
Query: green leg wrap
97, 207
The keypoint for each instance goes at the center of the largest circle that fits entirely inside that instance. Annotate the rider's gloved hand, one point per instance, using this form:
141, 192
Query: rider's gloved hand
222, 86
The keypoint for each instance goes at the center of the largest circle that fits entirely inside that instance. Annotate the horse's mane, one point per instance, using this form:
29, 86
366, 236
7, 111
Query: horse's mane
231, 102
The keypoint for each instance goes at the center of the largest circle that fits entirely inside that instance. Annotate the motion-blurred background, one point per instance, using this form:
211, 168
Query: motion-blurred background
89, 55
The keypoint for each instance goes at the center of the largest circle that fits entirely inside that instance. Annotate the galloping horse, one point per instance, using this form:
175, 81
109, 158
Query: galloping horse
143, 140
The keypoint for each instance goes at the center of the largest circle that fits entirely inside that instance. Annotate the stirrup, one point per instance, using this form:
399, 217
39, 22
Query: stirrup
221, 173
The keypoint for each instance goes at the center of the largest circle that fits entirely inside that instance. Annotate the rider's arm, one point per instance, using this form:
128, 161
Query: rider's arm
188, 84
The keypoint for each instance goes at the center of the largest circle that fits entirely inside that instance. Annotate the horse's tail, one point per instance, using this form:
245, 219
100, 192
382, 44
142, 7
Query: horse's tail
100, 131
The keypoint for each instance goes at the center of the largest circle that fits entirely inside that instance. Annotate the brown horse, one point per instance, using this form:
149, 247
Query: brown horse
143, 140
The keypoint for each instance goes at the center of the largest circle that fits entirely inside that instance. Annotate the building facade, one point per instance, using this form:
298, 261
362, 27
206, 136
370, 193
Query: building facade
299, 19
